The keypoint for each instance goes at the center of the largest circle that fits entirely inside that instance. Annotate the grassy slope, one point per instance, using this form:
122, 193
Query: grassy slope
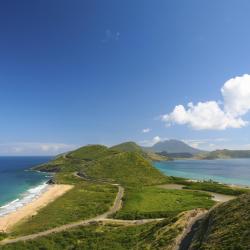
133, 147
216, 187
159, 235
227, 226
88, 199
154, 202
127, 147
91, 152
127, 168
130, 169
210, 186
85, 200
60, 164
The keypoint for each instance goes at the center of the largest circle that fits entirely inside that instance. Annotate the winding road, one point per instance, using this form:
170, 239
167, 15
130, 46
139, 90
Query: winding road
103, 218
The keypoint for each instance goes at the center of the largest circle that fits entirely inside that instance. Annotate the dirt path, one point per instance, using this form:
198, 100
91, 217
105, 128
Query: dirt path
98, 219
103, 218
190, 223
116, 206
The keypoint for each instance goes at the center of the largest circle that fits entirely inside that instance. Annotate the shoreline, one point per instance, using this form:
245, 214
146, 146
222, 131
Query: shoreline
217, 197
49, 192
240, 186
23, 198
197, 177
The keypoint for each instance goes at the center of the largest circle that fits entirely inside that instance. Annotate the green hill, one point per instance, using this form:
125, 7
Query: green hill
126, 168
90, 152
74, 160
225, 227
225, 154
127, 147
133, 147
126, 164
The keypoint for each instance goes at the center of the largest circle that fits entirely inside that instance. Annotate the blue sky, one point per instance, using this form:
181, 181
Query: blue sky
79, 72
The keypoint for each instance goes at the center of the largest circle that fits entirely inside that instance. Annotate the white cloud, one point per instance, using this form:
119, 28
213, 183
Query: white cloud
30, 148
216, 115
111, 36
146, 130
206, 144
151, 142
236, 94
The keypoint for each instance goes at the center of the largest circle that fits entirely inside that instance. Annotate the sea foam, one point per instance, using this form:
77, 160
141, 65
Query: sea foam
26, 198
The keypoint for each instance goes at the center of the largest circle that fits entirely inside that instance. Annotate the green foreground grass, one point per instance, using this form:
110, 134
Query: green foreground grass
106, 237
85, 200
154, 202
227, 226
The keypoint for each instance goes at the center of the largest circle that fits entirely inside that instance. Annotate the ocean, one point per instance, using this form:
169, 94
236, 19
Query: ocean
230, 171
18, 185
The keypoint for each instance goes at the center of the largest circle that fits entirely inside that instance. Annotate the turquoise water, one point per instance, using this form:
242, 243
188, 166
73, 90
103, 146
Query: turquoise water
16, 182
232, 171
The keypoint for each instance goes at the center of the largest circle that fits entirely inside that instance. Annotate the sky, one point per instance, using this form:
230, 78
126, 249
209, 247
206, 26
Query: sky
85, 72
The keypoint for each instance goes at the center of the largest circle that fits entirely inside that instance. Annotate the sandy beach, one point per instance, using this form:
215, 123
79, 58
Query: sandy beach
30, 209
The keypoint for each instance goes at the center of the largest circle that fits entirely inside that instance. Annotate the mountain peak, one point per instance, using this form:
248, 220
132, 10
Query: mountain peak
174, 146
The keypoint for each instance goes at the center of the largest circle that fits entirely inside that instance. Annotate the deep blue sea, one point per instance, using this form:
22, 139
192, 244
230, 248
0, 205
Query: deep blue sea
16, 182
232, 171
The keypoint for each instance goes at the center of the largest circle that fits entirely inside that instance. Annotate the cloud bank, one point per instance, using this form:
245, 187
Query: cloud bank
30, 148
146, 130
111, 36
213, 115
151, 142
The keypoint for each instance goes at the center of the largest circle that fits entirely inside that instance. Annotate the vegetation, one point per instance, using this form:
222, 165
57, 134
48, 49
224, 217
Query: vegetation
215, 187
85, 200
128, 169
128, 165
61, 164
133, 147
88, 199
225, 154
91, 152
159, 235
226, 226
154, 202
127, 147
3, 235
175, 155
157, 157
210, 186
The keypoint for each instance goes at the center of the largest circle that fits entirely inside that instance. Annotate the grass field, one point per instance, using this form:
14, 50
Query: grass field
154, 202
85, 200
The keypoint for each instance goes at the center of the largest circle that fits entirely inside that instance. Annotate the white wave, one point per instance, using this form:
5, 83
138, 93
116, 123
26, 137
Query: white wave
27, 197
9, 203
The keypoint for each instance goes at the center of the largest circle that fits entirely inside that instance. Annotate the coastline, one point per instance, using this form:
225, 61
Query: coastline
192, 170
27, 207
23, 198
